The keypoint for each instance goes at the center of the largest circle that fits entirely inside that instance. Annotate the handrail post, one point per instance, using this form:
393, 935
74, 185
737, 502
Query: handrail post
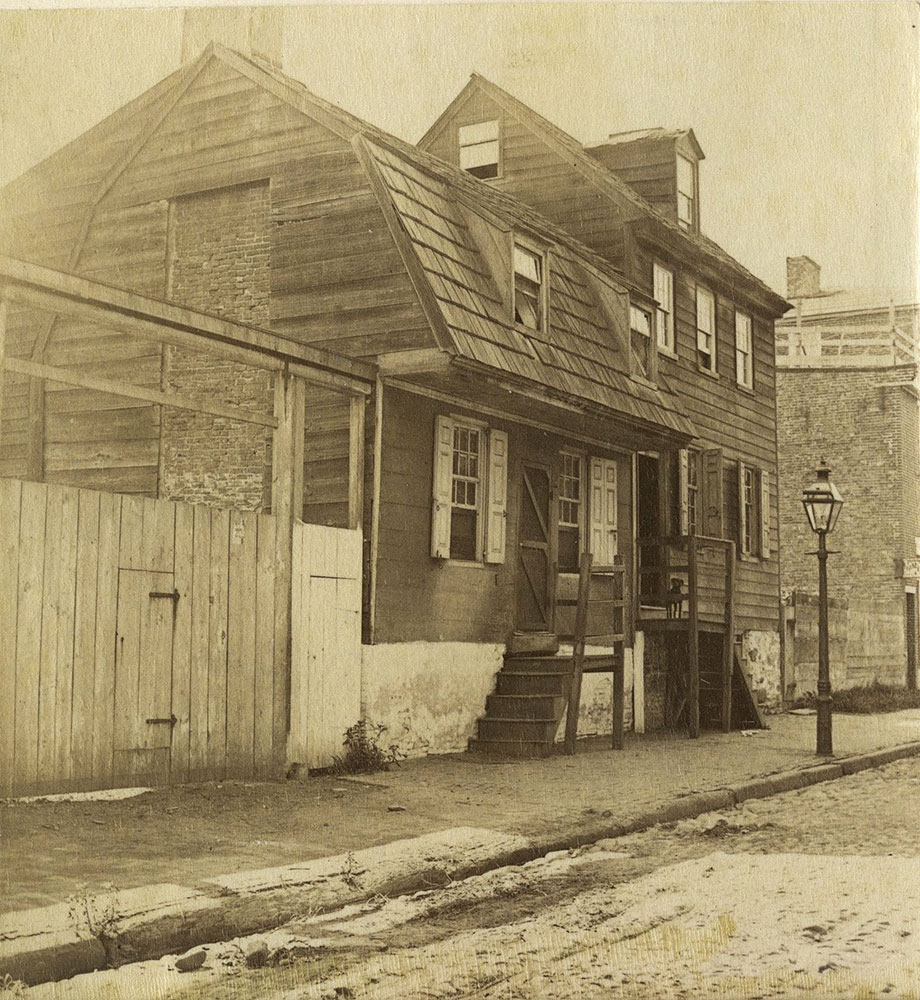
693, 640
578, 653
729, 650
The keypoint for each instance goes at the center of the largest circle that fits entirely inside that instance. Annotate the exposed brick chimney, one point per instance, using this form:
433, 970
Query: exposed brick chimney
803, 278
253, 31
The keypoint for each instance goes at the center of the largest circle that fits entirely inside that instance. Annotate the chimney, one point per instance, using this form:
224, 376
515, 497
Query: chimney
803, 278
256, 32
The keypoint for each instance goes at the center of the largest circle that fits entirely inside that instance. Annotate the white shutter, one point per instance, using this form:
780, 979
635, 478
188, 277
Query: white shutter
498, 497
441, 483
765, 514
683, 478
603, 511
741, 532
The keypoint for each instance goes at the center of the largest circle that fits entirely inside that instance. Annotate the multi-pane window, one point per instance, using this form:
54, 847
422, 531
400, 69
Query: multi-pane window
528, 288
465, 492
686, 192
706, 328
640, 336
479, 149
693, 491
571, 508
750, 522
744, 355
664, 313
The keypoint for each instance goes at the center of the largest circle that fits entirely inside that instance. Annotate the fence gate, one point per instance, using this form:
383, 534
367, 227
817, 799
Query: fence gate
144, 717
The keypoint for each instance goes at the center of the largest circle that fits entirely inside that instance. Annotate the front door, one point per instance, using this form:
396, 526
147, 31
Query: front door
535, 573
143, 676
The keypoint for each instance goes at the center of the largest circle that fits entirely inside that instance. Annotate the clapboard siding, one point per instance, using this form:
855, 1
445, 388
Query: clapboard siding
741, 423
421, 598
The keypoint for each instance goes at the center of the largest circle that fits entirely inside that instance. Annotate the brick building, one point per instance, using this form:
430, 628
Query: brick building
848, 391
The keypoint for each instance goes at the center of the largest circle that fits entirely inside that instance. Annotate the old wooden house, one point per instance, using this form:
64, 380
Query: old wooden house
635, 199
520, 415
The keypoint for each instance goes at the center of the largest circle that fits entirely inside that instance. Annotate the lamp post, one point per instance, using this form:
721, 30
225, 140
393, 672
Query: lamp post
822, 502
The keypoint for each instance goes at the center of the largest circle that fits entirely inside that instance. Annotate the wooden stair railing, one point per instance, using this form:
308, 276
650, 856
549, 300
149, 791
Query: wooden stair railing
583, 604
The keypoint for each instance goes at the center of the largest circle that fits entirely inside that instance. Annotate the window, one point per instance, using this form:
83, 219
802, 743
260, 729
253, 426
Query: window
640, 337
705, 329
686, 192
692, 493
479, 149
664, 314
528, 288
744, 355
571, 511
753, 511
469, 491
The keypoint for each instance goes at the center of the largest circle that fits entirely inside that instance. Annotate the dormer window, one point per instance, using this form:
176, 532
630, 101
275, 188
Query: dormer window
528, 288
686, 192
640, 336
479, 149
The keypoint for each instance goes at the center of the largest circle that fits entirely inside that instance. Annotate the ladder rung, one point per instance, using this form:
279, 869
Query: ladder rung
607, 639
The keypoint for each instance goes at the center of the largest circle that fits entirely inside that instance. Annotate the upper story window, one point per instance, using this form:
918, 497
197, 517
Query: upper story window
705, 328
528, 288
479, 149
744, 353
664, 313
640, 337
686, 192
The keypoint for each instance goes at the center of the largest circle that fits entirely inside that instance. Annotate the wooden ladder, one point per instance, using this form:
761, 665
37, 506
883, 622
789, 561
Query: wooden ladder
614, 663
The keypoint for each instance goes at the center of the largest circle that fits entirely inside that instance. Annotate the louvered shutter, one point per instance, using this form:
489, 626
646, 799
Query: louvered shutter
765, 514
498, 497
603, 511
712, 492
441, 483
683, 478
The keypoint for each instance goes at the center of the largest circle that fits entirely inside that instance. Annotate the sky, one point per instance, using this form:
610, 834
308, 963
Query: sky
809, 113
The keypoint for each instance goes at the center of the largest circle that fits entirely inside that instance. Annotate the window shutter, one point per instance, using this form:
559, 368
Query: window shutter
742, 547
683, 477
765, 514
498, 497
603, 511
440, 506
712, 492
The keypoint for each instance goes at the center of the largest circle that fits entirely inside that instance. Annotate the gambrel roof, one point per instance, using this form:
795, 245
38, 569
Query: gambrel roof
631, 205
440, 219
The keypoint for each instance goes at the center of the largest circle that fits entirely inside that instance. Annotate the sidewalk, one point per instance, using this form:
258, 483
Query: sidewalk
189, 834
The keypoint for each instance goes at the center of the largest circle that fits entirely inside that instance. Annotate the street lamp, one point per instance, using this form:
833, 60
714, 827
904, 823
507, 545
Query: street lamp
822, 502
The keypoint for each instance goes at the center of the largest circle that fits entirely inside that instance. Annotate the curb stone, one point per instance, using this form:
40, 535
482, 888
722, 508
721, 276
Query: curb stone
42, 945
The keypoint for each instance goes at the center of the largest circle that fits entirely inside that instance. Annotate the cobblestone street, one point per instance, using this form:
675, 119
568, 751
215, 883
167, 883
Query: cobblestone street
810, 893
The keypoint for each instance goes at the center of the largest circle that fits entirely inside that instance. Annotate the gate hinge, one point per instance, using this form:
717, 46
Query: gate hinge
171, 721
173, 595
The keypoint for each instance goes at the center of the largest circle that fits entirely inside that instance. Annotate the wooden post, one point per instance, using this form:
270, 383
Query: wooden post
36, 432
4, 312
619, 700
356, 462
693, 640
728, 654
578, 652
287, 472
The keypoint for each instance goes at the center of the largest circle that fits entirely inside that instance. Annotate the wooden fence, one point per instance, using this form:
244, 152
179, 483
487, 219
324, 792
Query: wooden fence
138, 639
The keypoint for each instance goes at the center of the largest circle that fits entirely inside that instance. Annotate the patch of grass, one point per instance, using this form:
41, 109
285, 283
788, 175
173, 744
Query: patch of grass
363, 752
866, 699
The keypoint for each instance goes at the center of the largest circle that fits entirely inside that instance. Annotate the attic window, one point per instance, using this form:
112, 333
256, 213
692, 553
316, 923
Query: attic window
479, 149
640, 335
528, 288
686, 192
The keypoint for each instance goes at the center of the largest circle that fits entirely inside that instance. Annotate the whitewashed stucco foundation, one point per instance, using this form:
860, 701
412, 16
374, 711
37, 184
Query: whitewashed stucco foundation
428, 694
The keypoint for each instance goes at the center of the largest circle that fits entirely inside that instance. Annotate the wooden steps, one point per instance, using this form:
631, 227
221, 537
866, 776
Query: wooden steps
524, 713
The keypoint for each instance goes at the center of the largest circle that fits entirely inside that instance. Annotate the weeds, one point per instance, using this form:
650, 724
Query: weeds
363, 752
866, 699
10, 987
94, 913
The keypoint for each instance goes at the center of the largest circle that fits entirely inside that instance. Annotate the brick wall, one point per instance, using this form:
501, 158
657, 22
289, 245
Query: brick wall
860, 425
219, 260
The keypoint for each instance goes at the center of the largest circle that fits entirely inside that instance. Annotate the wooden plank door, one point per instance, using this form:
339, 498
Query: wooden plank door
144, 717
536, 583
